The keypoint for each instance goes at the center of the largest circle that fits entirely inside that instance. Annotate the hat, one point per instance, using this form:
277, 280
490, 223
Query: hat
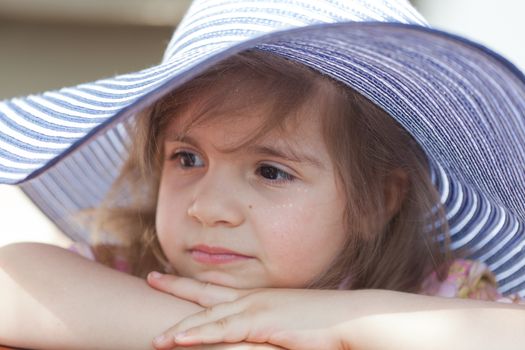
464, 104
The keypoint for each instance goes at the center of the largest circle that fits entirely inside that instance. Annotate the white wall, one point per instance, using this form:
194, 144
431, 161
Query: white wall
21, 221
498, 24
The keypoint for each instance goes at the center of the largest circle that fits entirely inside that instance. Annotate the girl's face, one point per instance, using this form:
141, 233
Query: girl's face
269, 214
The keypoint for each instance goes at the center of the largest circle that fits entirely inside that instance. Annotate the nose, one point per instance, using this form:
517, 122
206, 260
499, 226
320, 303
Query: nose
216, 201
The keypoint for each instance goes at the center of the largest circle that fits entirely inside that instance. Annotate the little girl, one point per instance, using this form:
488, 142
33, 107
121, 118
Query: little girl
266, 149
293, 186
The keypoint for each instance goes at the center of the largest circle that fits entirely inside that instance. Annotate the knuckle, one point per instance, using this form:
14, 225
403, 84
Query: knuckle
223, 323
208, 312
204, 300
237, 295
207, 286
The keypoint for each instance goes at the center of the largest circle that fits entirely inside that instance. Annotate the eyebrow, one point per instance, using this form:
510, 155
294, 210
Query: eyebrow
265, 150
181, 138
289, 155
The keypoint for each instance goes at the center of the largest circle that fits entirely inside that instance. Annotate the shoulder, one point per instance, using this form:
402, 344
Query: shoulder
466, 279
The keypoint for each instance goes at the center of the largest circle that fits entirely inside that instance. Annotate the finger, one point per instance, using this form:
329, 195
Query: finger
208, 315
238, 346
230, 329
242, 327
204, 294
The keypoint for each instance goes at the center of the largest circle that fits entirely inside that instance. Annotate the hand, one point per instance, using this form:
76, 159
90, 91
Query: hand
287, 318
238, 346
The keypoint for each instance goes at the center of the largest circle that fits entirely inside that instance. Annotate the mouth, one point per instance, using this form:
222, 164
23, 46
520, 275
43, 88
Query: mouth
216, 255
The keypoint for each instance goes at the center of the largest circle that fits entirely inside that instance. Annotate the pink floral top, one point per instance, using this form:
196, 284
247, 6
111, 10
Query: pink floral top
467, 279
119, 262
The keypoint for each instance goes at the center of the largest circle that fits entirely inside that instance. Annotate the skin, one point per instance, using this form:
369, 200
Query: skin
254, 200
41, 304
298, 319
54, 299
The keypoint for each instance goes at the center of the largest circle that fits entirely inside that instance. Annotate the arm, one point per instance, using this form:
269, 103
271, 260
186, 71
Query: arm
385, 319
342, 319
52, 298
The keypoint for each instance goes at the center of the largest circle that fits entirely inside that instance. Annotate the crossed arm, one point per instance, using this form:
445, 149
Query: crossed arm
69, 302
299, 319
51, 298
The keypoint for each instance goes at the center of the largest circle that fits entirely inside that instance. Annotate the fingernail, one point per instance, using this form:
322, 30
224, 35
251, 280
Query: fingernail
181, 335
155, 274
160, 340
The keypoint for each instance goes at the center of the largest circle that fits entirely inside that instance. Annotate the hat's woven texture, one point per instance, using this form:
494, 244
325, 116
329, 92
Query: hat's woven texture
464, 104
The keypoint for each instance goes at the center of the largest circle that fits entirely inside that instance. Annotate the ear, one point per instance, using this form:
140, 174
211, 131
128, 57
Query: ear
396, 188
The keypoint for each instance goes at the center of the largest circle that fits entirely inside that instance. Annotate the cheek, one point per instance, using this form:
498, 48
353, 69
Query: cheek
168, 213
300, 240
296, 227
163, 208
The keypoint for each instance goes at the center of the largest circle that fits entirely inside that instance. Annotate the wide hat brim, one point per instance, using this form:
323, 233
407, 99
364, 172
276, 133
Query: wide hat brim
463, 103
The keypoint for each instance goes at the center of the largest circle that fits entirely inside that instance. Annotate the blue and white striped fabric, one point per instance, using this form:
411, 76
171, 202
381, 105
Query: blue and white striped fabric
464, 104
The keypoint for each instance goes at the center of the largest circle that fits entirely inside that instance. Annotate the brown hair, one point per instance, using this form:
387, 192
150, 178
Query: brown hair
366, 146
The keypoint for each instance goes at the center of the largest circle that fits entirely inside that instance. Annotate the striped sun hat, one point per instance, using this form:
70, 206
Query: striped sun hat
463, 103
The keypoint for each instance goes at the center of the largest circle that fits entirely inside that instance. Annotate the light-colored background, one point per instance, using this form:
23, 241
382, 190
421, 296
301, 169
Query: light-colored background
47, 44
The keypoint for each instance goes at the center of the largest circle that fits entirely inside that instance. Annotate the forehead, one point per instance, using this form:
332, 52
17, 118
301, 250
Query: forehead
251, 101
259, 123
251, 83
243, 112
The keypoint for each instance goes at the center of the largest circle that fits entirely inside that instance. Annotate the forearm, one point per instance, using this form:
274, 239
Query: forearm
52, 299
390, 320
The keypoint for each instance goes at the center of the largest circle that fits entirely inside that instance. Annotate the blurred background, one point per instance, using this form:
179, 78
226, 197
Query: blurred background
48, 44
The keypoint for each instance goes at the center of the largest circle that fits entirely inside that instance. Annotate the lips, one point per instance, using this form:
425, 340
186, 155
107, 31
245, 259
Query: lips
215, 255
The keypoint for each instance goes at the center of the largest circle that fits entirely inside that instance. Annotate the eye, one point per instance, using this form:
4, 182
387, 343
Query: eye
187, 159
274, 174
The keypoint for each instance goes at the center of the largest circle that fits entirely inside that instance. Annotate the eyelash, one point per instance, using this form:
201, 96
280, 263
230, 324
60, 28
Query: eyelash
180, 156
285, 176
